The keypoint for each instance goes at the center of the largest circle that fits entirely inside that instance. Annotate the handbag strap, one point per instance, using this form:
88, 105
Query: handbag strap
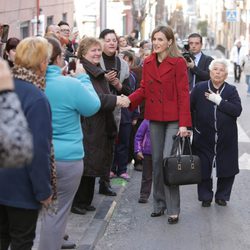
181, 146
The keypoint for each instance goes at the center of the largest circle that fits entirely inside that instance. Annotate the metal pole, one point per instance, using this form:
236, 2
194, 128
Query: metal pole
103, 14
37, 16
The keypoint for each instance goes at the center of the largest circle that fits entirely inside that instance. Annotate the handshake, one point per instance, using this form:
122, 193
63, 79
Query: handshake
122, 101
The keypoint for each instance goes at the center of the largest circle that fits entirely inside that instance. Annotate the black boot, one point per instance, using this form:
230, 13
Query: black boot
104, 188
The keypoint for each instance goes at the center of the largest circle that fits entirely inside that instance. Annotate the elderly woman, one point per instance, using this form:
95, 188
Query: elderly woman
69, 99
99, 130
10, 50
24, 190
215, 107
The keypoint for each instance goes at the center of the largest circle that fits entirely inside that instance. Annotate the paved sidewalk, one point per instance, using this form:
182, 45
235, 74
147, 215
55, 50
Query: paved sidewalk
85, 230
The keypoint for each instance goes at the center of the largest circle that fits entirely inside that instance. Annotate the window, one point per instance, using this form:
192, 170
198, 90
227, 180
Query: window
25, 29
50, 20
64, 17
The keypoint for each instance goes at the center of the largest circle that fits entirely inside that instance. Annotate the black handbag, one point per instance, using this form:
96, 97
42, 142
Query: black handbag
179, 168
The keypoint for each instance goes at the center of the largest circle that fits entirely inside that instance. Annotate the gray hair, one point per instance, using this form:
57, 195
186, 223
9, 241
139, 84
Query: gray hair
219, 61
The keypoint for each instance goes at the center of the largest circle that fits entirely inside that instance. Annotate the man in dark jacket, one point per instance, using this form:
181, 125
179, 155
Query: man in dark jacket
198, 67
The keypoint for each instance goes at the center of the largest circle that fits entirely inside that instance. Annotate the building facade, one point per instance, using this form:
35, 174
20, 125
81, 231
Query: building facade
21, 15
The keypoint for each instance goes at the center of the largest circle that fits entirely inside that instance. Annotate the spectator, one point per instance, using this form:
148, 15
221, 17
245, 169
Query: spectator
69, 98
75, 38
99, 130
65, 33
123, 44
197, 67
16, 140
117, 75
237, 56
145, 48
143, 152
10, 50
138, 75
53, 29
133, 38
28, 187
215, 106
128, 120
246, 69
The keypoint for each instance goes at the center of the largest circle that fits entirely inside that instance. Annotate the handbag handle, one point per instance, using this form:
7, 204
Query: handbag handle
180, 149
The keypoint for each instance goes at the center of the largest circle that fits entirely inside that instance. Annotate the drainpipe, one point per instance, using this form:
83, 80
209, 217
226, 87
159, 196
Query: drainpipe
103, 14
37, 16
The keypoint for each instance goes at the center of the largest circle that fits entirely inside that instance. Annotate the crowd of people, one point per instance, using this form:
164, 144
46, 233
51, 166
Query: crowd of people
89, 106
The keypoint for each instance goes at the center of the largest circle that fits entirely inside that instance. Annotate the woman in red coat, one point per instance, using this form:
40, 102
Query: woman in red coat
164, 87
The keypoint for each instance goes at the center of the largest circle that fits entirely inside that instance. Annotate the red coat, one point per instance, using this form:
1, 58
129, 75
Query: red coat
165, 90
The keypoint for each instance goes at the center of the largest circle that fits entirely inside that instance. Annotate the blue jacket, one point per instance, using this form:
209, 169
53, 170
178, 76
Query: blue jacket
142, 138
69, 98
25, 187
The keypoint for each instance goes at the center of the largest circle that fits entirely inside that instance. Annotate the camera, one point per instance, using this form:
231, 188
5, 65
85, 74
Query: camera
186, 53
72, 63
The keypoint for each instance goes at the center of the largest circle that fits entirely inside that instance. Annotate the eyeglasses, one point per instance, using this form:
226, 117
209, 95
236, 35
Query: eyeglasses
65, 30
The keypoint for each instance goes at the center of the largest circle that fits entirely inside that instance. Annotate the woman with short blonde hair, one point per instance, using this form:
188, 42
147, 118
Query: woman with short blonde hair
29, 186
32, 53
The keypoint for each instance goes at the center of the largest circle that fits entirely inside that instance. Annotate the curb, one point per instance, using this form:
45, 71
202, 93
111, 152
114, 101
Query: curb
100, 221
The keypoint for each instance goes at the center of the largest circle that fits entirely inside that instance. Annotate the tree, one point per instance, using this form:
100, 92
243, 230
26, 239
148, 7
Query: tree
202, 27
139, 13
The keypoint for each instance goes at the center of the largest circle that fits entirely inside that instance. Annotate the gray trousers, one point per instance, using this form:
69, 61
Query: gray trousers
165, 197
53, 225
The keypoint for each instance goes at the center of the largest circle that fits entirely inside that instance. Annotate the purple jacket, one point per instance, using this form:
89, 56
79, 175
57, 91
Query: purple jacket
142, 138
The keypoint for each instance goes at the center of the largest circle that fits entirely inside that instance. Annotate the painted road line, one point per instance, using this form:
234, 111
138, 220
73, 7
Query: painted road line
242, 136
244, 161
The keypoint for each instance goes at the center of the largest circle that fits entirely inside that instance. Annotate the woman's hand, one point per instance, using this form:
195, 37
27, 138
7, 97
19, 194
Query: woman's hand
79, 69
122, 101
183, 132
110, 75
47, 202
117, 84
213, 97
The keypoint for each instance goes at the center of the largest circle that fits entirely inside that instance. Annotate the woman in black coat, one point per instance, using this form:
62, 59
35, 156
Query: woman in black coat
99, 130
215, 107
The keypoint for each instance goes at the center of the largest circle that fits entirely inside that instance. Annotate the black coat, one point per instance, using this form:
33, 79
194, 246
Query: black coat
100, 129
211, 123
200, 71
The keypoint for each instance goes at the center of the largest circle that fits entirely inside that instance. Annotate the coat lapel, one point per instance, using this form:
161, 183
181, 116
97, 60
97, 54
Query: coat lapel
165, 67
201, 61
